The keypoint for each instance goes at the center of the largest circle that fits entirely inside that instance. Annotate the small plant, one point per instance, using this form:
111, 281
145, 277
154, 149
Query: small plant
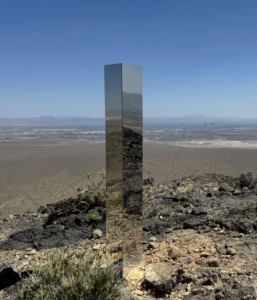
96, 187
245, 179
145, 196
93, 217
72, 274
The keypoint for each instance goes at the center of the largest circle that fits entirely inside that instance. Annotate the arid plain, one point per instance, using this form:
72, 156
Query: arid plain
37, 172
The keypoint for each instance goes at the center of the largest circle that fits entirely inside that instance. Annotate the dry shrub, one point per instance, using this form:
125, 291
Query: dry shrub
70, 274
96, 186
246, 179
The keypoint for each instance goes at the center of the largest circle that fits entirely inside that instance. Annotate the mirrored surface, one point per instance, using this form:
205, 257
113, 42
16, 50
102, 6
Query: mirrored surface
113, 108
132, 164
124, 157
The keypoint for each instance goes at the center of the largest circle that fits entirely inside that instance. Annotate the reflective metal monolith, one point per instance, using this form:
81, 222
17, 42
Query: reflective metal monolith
124, 163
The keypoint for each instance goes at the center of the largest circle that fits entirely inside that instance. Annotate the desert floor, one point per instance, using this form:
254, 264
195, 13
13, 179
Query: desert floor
34, 173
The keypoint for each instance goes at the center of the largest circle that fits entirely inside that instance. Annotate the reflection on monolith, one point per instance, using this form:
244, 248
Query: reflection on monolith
114, 207
124, 177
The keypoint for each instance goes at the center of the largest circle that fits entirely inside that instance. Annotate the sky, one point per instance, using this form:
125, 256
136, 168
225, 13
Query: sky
198, 56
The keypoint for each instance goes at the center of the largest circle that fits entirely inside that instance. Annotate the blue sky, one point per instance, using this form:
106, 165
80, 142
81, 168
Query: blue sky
198, 56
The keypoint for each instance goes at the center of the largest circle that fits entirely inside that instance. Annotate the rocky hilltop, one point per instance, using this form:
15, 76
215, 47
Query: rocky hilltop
199, 238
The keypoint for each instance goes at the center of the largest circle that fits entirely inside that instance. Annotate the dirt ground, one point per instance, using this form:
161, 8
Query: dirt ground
34, 173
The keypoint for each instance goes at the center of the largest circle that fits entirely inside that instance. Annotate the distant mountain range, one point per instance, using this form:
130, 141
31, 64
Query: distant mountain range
71, 121
52, 121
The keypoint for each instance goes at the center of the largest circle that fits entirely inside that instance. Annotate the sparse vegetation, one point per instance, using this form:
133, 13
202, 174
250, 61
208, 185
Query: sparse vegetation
145, 196
93, 217
95, 191
96, 187
72, 274
245, 179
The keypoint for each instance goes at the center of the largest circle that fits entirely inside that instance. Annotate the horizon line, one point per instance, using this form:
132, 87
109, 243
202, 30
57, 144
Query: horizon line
86, 117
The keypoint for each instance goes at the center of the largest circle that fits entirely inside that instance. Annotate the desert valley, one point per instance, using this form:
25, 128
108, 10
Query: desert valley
199, 216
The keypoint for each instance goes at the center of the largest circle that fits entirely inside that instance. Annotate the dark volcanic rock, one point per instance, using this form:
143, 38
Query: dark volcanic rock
8, 277
219, 215
69, 222
199, 211
236, 291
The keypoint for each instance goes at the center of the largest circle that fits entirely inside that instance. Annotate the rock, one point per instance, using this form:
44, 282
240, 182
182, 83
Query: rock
139, 293
238, 291
54, 228
209, 194
160, 276
148, 181
213, 263
115, 247
174, 252
96, 247
8, 277
237, 192
97, 233
154, 245
199, 211
208, 281
189, 217
188, 277
32, 251
125, 294
43, 209
231, 251
205, 254
153, 239
194, 222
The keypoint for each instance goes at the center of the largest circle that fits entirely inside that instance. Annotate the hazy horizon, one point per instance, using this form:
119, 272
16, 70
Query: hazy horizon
101, 117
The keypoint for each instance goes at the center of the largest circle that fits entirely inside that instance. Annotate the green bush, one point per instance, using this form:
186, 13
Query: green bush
72, 275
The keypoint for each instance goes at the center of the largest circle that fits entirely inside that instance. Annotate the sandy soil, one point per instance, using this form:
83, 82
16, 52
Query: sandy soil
33, 173
211, 144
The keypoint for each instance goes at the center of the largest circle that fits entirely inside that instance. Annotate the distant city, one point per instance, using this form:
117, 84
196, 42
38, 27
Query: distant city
187, 128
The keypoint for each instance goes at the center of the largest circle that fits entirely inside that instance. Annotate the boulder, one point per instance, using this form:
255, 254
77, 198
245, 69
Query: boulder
174, 252
8, 276
160, 276
154, 245
231, 251
97, 233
